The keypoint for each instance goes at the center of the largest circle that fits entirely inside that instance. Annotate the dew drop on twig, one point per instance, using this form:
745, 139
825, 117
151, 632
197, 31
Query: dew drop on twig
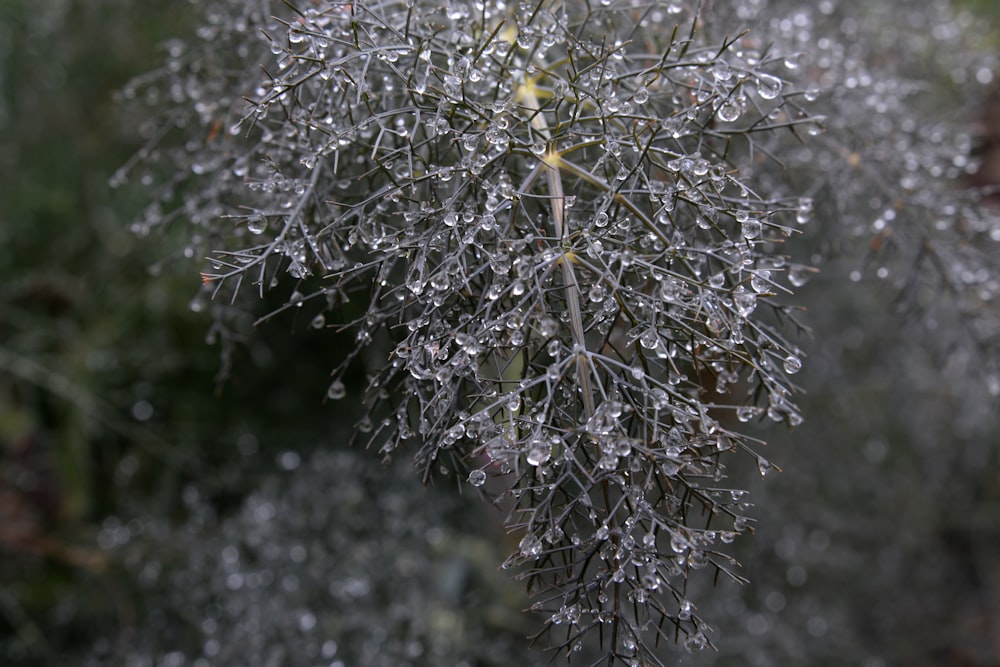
477, 477
256, 224
336, 391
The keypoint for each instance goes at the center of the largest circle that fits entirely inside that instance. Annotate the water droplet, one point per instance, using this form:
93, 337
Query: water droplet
142, 410
792, 364
696, 642
721, 71
641, 95
761, 281
539, 451
768, 87
477, 477
803, 212
649, 339
729, 111
815, 127
548, 326
744, 301
798, 275
289, 460
256, 224
751, 228
298, 270
496, 137
440, 281
530, 546
336, 391
686, 609
764, 466
608, 461
422, 72
525, 37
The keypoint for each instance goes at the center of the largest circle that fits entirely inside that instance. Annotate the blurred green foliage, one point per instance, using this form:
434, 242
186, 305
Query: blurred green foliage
106, 381
988, 8
70, 269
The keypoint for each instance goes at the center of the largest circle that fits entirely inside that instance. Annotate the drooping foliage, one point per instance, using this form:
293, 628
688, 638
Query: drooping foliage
565, 237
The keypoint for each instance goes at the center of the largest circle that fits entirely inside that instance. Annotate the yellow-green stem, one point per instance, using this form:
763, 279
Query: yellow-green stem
557, 201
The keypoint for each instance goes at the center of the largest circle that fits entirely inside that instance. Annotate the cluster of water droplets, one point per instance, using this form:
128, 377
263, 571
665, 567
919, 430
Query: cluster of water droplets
890, 176
559, 244
565, 237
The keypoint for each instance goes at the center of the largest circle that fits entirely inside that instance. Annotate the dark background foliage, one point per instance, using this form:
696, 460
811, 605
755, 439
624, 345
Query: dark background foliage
139, 496
117, 438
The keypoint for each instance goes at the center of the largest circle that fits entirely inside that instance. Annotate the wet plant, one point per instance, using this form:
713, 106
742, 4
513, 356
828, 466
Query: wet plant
326, 562
559, 232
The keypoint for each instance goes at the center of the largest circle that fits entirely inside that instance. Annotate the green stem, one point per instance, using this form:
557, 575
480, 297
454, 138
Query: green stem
526, 93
